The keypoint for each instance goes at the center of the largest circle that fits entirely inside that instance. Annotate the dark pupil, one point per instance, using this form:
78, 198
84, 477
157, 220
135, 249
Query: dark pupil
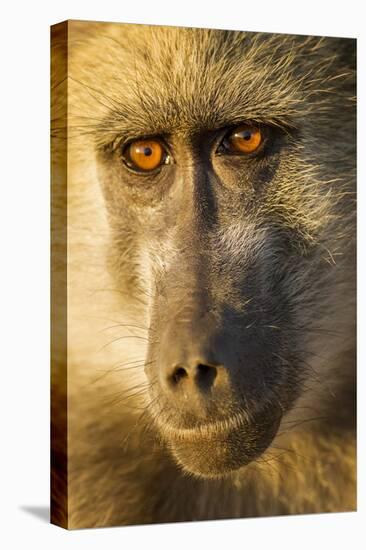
147, 151
247, 135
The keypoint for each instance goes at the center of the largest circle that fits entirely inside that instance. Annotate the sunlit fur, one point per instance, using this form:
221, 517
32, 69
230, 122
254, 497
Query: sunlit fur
119, 469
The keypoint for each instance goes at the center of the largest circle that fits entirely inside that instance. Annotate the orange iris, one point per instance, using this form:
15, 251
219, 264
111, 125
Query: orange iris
146, 154
246, 139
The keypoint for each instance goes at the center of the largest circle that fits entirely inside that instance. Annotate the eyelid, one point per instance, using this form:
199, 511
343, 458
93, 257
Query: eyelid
120, 142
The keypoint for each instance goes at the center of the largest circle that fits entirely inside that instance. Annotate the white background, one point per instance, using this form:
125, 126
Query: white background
24, 273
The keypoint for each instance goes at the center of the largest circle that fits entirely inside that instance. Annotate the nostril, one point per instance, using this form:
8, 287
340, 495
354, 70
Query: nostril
200, 374
204, 369
205, 375
178, 374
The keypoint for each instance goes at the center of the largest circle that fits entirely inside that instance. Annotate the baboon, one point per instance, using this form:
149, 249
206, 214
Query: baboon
203, 203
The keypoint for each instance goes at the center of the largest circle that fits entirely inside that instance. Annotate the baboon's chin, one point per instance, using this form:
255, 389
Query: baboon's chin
214, 454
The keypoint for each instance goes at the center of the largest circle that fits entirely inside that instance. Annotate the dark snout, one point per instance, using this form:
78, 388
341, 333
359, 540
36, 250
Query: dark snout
205, 383
193, 371
210, 360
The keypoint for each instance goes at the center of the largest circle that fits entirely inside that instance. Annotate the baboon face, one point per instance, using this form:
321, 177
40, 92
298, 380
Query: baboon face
214, 163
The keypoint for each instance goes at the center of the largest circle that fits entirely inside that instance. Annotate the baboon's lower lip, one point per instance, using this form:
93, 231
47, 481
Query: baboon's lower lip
218, 448
208, 430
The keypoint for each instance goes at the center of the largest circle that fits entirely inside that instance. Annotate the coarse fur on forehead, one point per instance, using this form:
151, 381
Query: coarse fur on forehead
187, 80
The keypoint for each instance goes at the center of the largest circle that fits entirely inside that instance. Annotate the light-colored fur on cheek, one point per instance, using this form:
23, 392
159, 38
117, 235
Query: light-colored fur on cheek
240, 242
102, 332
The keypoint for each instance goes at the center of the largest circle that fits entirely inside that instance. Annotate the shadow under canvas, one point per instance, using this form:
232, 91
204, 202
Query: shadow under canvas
40, 512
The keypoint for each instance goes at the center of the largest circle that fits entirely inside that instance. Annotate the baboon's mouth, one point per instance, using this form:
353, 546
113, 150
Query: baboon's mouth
215, 449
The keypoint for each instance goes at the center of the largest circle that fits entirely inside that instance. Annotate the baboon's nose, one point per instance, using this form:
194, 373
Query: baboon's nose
196, 373
190, 364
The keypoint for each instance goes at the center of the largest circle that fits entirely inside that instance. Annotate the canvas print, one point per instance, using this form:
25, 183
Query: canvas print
203, 274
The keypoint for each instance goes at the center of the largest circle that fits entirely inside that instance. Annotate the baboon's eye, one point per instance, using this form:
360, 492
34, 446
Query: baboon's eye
244, 139
145, 155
